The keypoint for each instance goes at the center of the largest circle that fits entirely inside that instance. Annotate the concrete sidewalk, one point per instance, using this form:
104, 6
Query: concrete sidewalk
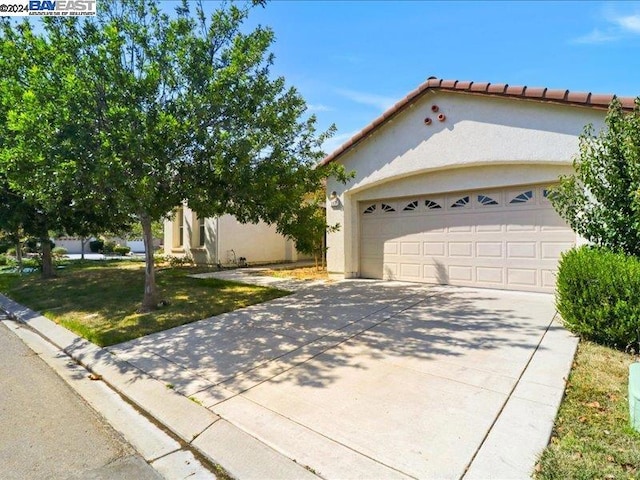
356, 379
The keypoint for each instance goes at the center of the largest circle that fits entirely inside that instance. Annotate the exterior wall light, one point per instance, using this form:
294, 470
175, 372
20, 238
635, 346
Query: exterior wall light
334, 200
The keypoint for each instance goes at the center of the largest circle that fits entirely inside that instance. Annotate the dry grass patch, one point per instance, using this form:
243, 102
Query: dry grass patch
592, 437
299, 273
99, 300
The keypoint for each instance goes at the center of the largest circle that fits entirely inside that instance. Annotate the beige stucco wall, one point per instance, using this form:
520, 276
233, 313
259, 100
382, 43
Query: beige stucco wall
484, 142
258, 243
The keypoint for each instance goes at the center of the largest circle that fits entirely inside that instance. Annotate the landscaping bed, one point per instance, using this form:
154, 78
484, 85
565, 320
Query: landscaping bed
298, 273
100, 300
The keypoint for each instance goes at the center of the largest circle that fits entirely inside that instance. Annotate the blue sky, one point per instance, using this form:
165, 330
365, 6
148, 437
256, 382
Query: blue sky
353, 59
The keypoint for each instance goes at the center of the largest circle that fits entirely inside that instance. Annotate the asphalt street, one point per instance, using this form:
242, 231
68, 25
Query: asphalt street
47, 431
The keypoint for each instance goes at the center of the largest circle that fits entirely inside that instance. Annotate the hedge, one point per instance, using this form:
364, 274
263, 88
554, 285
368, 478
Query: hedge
598, 296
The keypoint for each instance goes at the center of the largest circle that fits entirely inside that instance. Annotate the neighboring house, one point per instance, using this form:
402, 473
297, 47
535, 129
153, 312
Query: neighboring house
225, 240
451, 186
74, 244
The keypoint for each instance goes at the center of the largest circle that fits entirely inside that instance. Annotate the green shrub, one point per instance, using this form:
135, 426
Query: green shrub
598, 296
108, 246
11, 251
96, 246
59, 251
179, 261
4, 260
121, 249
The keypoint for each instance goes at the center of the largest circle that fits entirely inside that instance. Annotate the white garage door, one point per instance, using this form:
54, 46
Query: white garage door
508, 239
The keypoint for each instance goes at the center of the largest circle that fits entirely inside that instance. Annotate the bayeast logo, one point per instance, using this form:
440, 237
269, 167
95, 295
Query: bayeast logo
62, 7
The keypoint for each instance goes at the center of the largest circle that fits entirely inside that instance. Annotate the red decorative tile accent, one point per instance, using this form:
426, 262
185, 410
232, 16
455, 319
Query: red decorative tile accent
515, 90
578, 97
479, 87
556, 94
601, 99
535, 92
497, 88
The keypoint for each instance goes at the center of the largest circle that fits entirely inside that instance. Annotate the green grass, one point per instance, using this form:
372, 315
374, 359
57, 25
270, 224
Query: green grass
592, 438
100, 300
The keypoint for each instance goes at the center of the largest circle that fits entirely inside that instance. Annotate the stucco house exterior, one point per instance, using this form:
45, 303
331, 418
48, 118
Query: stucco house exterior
224, 240
451, 186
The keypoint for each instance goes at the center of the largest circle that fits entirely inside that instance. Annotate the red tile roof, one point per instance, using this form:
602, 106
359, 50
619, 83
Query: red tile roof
541, 94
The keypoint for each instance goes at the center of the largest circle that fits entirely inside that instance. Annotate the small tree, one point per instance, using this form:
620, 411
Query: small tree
601, 200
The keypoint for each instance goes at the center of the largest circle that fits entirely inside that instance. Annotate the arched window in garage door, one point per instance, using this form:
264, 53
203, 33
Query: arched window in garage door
370, 209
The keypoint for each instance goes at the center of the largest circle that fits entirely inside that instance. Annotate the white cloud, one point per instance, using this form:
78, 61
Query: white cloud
319, 108
380, 102
332, 144
629, 23
618, 27
596, 36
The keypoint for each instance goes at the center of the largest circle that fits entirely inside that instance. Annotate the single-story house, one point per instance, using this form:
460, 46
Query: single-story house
451, 186
224, 240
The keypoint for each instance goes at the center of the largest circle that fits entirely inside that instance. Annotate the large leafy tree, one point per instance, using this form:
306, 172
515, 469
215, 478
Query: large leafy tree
49, 155
601, 200
172, 109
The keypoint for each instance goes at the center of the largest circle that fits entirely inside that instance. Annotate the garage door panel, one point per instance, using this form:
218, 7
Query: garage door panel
460, 273
522, 276
390, 270
460, 249
489, 249
489, 228
552, 250
492, 275
548, 278
521, 250
410, 248
390, 248
410, 271
509, 245
434, 249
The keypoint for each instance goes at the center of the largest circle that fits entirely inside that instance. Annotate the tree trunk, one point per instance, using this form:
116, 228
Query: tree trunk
47, 260
150, 300
19, 253
82, 245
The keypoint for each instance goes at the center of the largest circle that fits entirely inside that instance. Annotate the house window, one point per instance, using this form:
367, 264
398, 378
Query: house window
431, 205
484, 200
178, 228
387, 208
461, 202
370, 209
524, 197
201, 232
411, 206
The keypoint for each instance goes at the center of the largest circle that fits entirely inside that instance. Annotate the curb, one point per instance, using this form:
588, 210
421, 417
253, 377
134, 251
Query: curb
209, 435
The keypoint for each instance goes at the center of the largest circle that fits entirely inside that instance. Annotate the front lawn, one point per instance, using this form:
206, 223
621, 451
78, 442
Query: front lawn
99, 300
592, 438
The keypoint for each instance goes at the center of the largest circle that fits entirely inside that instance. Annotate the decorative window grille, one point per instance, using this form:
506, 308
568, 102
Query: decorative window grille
461, 202
524, 197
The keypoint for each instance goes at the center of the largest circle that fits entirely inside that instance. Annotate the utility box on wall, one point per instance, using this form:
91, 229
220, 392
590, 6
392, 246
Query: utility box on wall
634, 395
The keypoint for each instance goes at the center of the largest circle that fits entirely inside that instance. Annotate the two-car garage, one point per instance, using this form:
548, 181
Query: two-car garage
509, 239
450, 186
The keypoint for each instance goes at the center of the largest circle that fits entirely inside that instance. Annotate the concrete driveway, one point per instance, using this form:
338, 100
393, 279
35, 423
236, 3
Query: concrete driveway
371, 379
